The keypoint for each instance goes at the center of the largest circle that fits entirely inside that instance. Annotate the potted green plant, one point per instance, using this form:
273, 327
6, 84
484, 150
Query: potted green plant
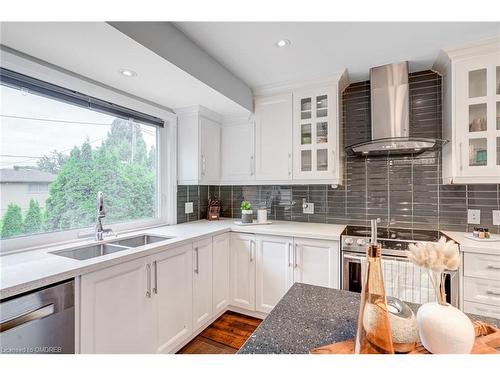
246, 212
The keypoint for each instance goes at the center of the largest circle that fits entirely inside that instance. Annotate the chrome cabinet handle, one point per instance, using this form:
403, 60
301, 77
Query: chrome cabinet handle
460, 155
155, 266
148, 270
252, 170
203, 165
289, 254
289, 163
19, 320
295, 263
333, 160
251, 243
492, 293
196, 259
490, 267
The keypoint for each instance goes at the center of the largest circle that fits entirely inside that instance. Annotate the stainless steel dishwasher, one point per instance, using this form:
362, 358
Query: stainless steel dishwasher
41, 321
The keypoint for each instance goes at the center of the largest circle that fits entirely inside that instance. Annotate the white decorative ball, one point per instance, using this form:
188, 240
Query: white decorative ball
445, 329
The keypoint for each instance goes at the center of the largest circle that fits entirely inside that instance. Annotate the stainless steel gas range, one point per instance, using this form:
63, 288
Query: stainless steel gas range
402, 279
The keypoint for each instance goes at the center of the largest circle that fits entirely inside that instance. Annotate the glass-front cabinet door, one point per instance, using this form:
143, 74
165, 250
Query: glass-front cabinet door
478, 116
315, 133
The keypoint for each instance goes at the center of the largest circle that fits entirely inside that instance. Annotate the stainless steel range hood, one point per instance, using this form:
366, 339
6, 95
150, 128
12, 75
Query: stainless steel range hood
390, 115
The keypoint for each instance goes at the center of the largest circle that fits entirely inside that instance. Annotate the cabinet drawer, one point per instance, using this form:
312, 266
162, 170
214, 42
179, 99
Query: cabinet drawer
482, 265
481, 309
482, 291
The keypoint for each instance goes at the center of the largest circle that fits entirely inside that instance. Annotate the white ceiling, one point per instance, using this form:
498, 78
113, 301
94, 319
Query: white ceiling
321, 49
97, 50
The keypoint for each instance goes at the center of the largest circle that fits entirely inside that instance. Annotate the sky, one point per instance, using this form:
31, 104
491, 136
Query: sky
23, 141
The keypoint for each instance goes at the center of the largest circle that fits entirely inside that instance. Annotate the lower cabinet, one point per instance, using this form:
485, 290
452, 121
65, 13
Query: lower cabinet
172, 297
281, 261
202, 282
140, 306
274, 270
317, 262
220, 272
116, 315
156, 303
243, 270
481, 284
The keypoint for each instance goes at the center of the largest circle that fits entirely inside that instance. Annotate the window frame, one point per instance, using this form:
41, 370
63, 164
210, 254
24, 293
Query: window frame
166, 156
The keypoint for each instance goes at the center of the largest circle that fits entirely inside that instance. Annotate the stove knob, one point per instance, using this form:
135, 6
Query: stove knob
349, 241
360, 242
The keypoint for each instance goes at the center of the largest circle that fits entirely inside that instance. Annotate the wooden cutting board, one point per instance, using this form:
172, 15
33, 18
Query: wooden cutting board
487, 342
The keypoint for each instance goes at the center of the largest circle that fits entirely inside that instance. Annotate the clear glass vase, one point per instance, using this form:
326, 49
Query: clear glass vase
373, 334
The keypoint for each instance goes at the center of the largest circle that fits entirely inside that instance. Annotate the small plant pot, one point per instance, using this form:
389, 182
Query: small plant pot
247, 216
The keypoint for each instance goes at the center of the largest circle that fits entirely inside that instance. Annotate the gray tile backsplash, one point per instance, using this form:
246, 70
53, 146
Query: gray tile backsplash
404, 191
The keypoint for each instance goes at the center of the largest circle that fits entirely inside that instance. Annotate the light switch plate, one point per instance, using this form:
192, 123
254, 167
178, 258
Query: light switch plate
474, 216
308, 208
496, 217
188, 208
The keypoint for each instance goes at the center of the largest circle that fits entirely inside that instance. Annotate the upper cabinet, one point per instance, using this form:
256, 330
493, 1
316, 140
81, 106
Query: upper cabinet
238, 150
273, 136
198, 146
316, 135
471, 116
298, 132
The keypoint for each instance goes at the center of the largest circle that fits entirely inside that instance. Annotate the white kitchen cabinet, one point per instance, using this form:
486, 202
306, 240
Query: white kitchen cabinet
238, 161
172, 296
198, 146
471, 115
202, 282
221, 273
274, 270
243, 271
317, 262
316, 134
140, 306
481, 284
116, 313
273, 138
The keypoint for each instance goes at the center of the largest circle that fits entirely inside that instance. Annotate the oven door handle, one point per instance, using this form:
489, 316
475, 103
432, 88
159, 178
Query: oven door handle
353, 257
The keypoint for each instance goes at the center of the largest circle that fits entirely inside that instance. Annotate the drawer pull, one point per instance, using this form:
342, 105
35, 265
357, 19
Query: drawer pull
491, 293
490, 267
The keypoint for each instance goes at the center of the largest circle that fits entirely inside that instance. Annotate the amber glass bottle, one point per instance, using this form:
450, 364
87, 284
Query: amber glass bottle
373, 335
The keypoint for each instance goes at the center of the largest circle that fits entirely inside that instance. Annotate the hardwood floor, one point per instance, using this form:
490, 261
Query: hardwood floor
224, 336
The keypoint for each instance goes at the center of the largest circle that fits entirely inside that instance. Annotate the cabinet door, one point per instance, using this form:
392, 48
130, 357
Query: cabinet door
273, 138
116, 312
220, 274
210, 141
243, 270
478, 116
274, 270
172, 294
315, 134
238, 152
202, 282
317, 262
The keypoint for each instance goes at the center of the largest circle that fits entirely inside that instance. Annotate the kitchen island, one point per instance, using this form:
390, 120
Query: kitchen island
308, 317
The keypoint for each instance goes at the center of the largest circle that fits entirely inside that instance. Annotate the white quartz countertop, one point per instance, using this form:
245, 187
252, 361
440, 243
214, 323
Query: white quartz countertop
31, 269
473, 246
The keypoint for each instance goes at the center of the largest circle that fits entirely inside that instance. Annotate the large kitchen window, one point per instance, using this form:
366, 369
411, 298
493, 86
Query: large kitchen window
59, 148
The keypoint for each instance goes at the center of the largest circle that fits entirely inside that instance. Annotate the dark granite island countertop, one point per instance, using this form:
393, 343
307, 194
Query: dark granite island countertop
308, 317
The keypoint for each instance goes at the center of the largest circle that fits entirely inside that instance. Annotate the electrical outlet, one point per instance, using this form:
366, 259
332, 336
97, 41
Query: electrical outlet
308, 208
496, 217
188, 207
474, 216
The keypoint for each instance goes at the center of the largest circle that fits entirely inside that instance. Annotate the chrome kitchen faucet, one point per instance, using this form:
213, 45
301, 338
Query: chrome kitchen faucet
101, 213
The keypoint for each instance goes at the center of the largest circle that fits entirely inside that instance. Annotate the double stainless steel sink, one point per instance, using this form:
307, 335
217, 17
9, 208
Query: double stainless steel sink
97, 250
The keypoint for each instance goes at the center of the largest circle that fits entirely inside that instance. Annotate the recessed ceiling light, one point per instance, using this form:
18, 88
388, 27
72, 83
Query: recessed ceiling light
127, 72
283, 43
